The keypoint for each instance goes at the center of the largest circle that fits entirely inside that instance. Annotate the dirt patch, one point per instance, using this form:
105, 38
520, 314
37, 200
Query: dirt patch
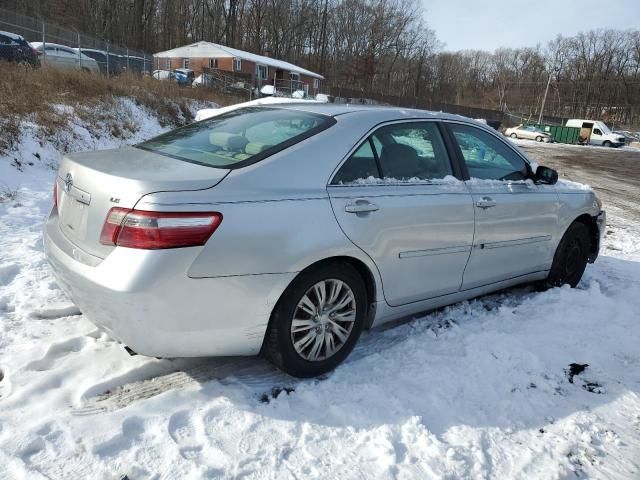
613, 173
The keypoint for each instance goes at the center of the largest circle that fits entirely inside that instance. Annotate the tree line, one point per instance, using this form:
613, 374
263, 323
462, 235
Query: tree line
379, 47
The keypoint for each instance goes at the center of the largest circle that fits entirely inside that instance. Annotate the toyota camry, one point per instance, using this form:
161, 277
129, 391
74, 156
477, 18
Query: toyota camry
286, 230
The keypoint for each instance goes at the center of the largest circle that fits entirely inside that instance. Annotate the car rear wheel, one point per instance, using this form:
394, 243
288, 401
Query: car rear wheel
570, 259
317, 321
538, 138
514, 135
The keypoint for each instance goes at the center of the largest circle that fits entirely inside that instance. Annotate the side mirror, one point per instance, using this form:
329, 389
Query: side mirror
545, 175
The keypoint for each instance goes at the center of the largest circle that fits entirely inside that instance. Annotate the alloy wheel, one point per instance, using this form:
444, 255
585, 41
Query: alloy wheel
323, 320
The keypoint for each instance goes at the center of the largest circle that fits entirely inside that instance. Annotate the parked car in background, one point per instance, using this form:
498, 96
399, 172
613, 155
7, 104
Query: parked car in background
595, 132
163, 75
65, 58
629, 137
184, 76
107, 61
289, 229
529, 133
14, 48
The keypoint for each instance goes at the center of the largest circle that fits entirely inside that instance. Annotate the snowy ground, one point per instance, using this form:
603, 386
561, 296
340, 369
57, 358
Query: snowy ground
482, 389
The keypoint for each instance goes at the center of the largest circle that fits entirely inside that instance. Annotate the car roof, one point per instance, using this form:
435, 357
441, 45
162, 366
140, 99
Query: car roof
50, 44
15, 36
381, 112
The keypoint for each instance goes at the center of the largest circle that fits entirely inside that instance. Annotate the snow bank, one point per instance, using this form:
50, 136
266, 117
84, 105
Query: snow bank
38, 153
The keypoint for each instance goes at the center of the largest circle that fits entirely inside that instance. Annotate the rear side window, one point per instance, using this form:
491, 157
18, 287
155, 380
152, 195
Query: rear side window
404, 152
361, 165
240, 137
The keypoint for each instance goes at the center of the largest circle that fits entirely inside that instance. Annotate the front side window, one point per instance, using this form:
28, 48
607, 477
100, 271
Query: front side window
402, 153
238, 138
597, 131
487, 157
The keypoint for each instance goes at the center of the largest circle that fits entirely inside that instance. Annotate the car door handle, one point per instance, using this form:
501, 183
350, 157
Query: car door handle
361, 206
486, 202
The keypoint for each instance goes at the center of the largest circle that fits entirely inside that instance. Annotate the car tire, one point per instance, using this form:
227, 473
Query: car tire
514, 135
571, 257
606, 143
538, 138
279, 346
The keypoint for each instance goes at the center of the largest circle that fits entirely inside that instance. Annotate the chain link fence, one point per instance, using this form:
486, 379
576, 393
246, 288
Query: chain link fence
65, 48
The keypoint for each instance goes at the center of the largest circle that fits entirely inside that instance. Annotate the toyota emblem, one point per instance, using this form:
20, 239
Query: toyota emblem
68, 183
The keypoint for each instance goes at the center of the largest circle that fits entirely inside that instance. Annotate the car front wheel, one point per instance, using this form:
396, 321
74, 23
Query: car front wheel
606, 144
317, 321
570, 259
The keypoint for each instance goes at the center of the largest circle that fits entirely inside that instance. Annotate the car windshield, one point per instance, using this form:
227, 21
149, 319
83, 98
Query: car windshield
239, 137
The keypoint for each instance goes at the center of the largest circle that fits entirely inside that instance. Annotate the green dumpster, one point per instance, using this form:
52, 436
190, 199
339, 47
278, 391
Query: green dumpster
559, 133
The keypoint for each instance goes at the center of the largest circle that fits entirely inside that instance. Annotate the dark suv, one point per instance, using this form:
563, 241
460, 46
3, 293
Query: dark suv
14, 48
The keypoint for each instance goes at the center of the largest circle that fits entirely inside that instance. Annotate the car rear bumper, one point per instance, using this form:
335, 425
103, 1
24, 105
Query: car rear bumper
144, 299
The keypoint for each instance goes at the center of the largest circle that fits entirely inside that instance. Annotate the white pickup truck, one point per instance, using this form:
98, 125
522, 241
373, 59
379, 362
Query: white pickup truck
595, 132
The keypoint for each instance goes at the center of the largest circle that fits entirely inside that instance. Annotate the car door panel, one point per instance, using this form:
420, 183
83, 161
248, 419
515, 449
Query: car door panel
419, 236
515, 219
513, 237
415, 221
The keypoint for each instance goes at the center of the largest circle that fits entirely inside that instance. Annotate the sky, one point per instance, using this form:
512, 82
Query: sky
489, 24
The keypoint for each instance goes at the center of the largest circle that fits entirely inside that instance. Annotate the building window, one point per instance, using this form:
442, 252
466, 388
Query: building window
316, 83
294, 76
185, 63
261, 72
213, 63
167, 64
237, 64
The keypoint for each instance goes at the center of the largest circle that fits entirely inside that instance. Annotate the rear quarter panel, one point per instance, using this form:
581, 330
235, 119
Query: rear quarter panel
277, 217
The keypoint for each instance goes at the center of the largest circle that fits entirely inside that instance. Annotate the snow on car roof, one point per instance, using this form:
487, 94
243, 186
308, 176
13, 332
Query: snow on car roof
214, 50
15, 36
38, 45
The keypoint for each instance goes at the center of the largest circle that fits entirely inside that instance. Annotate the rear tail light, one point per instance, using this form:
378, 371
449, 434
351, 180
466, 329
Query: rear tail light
158, 230
55, 193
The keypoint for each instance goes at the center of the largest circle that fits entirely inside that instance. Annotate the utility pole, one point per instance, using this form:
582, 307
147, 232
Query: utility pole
546, 90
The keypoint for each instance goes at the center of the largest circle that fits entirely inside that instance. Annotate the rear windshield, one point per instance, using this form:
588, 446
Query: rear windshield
238, 138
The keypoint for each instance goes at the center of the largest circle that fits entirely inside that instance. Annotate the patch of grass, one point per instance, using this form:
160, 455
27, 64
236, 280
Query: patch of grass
8, 195
36, 94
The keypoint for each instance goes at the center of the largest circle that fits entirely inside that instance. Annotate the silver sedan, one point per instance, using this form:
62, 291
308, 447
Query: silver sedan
529, 132
287, 230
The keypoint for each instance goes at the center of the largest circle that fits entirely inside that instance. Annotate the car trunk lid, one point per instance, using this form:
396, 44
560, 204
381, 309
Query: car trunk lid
89, 184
